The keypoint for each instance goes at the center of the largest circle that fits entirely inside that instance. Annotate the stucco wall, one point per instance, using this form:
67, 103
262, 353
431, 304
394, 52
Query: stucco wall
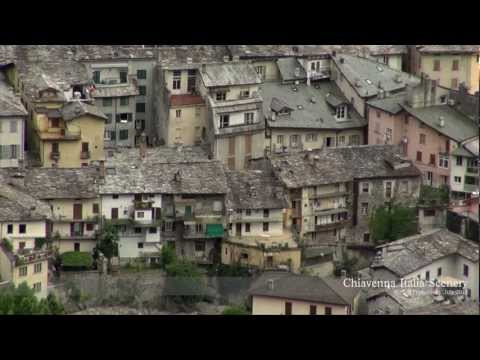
187, 128
273, 306
12, 138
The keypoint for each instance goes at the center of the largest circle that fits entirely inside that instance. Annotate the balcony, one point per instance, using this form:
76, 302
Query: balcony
328, 195
142, 205
472, 170
234, 218
330, 211
470, 188
331, 226
321, 74
31, 256
54, 156
84, 155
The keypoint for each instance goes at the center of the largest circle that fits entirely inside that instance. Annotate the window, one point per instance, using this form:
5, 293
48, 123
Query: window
469, 293
152, 230
293, 140
221, 95
95, 209
465, 270
311, 137
419, 156
259, 70
341, 140
114, 213
123, 76
200, 246
13, 126
249, 118
340, 112
140, 215
106, 102
457, 179
265, 226
436, 65
140, 107
141, 74
388, 134
404, 186
89, 227
354, 140
244, 94
96, 77
288, 308
123, 135
266, 213
140, 245
177, 75
124, 101
9, 229
224, 121
23, 271
124, 117
109, 118
115, 196
388, 189
364, 208
142, 90
328, 310
439, 272
429, 176
459, 161
280, 139
427, 275
365, 186
366, 237
247, 227
37, 268
37, 287
22, 228
329, 141
432, 159
313, 310
112, 135
454, 83
423, 139
443, 161
248, 212
455, 65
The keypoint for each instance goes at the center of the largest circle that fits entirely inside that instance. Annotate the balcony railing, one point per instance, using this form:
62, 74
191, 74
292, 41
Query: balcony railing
331, 226
328, 195
84, 155
31, 256
472, 170
328, 211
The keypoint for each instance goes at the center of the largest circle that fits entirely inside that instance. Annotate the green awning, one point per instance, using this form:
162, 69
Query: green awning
215, 230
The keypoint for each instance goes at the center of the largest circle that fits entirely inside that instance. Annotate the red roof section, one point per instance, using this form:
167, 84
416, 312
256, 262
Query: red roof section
185, 99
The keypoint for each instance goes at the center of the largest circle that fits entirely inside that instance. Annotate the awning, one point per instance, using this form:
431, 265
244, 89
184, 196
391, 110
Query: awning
215, 230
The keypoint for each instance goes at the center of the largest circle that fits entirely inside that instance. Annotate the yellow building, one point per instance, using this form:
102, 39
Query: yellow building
70, 135
448, 65
24, 230
283, 293
257, 236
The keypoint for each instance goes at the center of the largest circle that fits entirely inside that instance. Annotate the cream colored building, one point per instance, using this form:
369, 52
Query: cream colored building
283, 293
257, 234
447, 65
464, 169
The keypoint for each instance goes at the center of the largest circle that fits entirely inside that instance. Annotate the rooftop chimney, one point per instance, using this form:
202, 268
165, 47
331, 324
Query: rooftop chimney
441, 121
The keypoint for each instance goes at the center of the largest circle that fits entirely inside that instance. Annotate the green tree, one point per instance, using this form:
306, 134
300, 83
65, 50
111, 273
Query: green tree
108, 240
22, 301
185, 282
392, 223
167, 255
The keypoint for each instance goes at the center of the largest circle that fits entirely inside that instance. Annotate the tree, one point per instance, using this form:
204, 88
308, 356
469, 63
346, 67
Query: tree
108, 240
235, 310
167, 255
392, 223
22, 301
185, 283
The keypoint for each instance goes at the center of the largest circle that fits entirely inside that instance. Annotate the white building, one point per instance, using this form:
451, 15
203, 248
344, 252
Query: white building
464, 169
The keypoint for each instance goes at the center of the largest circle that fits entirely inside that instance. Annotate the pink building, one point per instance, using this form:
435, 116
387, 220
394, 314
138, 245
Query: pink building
428, 122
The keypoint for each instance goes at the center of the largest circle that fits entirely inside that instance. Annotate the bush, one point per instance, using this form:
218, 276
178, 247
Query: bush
235, 310
8, 245
185, 283
76, 259
167, 256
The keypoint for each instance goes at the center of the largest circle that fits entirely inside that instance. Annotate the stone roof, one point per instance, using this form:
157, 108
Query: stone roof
448, 48
61, 183
406, 298
113, 52
409, 254
391, 104
190, 56
17, 205
254, 189
366, 76
287, 68
311, 115
10, 104
457, 125
295, 287
117, 90
75, 109
462, 308
333, 165
229, 74
163, 170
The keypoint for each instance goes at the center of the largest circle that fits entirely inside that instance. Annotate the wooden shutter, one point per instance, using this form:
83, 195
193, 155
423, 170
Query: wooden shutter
248, 144
77, 211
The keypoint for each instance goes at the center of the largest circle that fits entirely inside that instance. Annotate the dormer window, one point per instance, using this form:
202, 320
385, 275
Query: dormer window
341, 112
244, 94
221, 95
224, 121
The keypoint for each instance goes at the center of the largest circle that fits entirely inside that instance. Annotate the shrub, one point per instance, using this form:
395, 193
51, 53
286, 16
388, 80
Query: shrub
235, 310
8, 245
76, 259
167, 256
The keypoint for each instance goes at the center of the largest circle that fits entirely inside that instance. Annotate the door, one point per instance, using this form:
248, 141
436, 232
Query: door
288, 308
238, 229
114, 213
76, 247
269, 264
188, 211
77, 211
